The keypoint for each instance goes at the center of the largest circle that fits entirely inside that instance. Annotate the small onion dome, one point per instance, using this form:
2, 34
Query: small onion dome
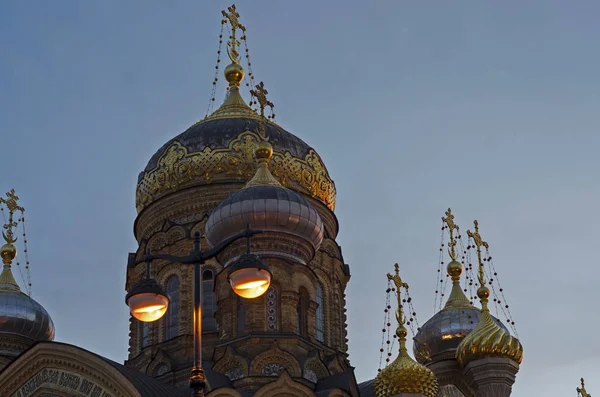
405, 375
293, 229
488, 339
20, 314
440, 336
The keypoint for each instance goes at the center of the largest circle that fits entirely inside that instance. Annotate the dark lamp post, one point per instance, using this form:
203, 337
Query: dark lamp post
249, 277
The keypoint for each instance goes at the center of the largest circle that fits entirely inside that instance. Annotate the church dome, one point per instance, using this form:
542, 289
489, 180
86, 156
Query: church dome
441, 334
488, 339
219, 149
19, 313
284, 216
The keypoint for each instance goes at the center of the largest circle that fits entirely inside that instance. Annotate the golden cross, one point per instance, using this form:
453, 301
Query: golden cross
478, 243
399, 284
11, 204
233, 18
449, 221
260, 93
581, 391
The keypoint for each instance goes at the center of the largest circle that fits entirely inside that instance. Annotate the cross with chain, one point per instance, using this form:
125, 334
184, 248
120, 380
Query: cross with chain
233, 18
11, 204
581, 390
399, 284
260, 93
478, 243
449, 221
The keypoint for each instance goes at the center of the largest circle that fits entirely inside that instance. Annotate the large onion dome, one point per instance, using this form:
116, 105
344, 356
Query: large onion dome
19, 314
293, 229
218, 149
440, 336
488, 339
404, 375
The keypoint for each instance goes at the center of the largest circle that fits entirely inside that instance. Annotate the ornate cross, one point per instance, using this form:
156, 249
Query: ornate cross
399, 284
478, 243
449, 221
581, 390
233, 18
260, 93
11, 204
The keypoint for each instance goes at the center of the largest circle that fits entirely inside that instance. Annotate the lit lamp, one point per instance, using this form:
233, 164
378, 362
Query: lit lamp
147, 300
249, 277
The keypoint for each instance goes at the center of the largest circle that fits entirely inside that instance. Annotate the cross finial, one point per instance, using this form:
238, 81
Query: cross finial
478, 243
233, 18
260, 93
581, 390
11, 203
401, 331
449, 221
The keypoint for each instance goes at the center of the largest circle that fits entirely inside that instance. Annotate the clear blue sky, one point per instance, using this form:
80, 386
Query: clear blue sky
491, 108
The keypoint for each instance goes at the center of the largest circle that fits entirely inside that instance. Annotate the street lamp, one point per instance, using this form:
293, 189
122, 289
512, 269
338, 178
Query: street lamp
249, 277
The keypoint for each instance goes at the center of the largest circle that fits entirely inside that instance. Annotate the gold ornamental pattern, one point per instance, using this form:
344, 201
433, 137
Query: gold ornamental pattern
178, 168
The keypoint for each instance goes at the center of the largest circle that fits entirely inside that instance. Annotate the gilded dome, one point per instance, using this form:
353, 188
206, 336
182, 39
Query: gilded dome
266, 205
219, 149
404, 375
488, 339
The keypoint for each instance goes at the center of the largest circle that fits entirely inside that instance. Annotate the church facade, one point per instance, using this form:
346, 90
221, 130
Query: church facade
292, 340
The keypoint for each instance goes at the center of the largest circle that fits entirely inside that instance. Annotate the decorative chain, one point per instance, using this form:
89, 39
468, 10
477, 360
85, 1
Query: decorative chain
211, 100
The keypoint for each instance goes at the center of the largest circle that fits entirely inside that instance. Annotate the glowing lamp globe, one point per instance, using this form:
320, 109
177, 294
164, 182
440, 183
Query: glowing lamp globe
249, 276
147, 301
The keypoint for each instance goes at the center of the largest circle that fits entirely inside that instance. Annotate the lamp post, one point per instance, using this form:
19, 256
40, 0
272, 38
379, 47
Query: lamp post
249, 277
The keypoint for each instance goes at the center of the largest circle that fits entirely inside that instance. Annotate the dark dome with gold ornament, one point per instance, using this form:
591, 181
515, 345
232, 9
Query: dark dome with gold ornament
219, 149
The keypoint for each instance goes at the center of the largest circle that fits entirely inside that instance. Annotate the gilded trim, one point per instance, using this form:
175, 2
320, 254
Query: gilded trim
178, 169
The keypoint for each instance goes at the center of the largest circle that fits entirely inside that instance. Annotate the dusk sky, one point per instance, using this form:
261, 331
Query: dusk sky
491, 108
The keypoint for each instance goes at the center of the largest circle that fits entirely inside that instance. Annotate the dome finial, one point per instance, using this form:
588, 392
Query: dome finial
234, 73
8, 252
404, 375
581, 392
263, 177
487, 339
457, 297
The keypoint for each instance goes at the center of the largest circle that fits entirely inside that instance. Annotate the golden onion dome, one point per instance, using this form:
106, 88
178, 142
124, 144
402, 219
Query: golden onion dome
488, 339
219, 149
404, 375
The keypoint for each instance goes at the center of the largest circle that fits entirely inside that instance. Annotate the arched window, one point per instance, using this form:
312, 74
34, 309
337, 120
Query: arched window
320, 315
272, 309
241, 316
145, 334
172, 323
302, 309
209, 323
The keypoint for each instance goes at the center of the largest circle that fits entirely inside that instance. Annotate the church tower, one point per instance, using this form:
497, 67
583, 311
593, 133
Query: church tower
237, 166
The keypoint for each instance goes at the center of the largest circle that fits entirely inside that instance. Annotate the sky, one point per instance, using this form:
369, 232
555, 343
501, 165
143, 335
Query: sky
491, 108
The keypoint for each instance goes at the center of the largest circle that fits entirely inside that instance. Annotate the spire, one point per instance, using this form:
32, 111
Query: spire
404, 375
581, 392
234, 105
8, 252
487, 339
457, 297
